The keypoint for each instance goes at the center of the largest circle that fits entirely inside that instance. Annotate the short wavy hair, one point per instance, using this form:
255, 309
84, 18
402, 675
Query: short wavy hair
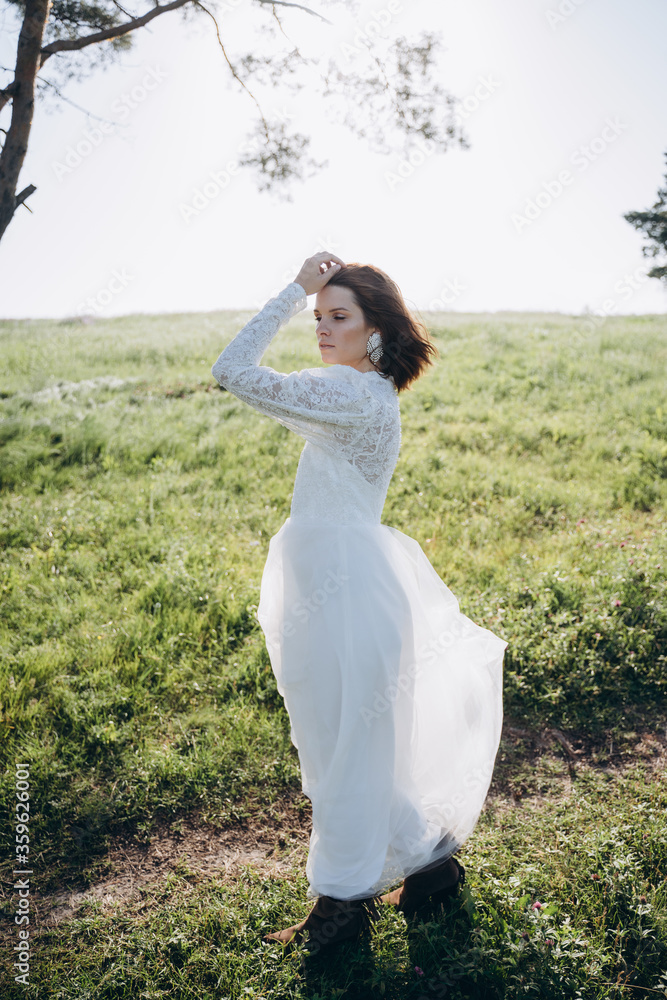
407, 347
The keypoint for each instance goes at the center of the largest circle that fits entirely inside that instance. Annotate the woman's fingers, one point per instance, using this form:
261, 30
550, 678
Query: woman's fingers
326, 256
317, 270
325, 261
332, 259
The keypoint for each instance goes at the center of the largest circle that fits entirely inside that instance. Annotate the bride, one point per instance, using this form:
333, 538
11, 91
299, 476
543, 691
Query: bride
394, 696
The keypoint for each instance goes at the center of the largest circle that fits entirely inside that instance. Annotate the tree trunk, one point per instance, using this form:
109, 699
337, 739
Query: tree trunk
28, 59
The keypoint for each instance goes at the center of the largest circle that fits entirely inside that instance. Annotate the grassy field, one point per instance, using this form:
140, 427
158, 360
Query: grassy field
137, 503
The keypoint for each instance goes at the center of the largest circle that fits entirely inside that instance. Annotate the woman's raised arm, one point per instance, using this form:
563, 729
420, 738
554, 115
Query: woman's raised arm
315, 403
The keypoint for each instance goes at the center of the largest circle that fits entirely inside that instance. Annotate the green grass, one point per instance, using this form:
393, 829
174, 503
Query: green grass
603, 913
137, 503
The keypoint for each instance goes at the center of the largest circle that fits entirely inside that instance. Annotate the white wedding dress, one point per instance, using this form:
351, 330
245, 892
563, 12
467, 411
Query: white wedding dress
394, 696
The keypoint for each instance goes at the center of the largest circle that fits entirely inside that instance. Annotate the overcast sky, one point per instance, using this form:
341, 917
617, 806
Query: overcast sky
563, 106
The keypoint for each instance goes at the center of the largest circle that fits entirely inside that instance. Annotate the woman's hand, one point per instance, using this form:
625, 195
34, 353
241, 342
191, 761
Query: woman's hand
312, 278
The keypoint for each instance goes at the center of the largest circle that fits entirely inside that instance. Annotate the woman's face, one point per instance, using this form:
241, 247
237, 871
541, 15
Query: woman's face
341, 328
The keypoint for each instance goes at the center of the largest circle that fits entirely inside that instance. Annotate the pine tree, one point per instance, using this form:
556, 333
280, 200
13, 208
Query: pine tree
653, 223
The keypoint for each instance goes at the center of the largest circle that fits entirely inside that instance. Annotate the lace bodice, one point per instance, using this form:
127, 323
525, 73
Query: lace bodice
349, 419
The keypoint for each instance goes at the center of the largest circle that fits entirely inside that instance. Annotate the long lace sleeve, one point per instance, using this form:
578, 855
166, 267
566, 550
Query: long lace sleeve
321, 405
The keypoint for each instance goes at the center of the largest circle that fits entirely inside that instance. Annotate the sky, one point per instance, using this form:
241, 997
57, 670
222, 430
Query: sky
143, 208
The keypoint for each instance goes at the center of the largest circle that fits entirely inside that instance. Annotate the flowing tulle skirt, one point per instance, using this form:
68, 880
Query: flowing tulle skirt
394, 699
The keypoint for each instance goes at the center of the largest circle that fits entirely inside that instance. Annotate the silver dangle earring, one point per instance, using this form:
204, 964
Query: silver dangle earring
374, 347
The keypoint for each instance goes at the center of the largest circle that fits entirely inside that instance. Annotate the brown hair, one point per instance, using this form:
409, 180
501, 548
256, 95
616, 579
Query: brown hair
407, 348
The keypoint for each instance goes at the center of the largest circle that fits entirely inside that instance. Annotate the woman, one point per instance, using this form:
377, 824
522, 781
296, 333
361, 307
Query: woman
394, 696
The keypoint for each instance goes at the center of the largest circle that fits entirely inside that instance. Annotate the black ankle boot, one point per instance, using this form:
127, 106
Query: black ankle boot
431, 885
331, 921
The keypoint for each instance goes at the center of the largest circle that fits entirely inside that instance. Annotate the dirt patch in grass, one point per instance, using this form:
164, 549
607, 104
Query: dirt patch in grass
188, 845
177, 390
530, 765
636, 739
535, 765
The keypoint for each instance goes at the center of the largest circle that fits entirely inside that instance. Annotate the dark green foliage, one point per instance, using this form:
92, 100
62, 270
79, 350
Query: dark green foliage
653, 224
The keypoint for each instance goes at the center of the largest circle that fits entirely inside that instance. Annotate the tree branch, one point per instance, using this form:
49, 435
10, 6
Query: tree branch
198, 3
284, 3
122, 9
71, 44
7, 94
25, 193
31, 37
89, 114
274, 14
